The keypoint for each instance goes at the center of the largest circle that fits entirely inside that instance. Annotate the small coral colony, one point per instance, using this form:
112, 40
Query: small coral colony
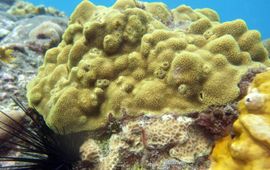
138, 86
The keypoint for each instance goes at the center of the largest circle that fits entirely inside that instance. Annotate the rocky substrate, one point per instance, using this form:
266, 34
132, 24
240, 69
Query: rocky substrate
28, 33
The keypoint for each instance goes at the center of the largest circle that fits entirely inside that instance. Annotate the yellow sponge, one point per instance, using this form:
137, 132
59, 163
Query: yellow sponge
250, 148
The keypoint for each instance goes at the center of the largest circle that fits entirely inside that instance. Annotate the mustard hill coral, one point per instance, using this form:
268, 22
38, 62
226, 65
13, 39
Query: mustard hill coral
131, 59
21, 8
249, 149
266, 44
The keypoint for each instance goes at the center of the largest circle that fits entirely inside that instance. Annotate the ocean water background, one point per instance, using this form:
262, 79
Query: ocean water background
256, 13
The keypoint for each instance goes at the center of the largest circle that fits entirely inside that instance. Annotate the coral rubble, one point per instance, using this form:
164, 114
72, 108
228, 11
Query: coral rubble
249, 147
141, 57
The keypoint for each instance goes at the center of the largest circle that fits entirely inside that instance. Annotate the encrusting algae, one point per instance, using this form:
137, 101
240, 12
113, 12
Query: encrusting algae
135, 58
249, 148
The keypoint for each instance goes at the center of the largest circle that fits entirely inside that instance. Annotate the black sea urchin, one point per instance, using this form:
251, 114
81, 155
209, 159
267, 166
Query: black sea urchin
36, 145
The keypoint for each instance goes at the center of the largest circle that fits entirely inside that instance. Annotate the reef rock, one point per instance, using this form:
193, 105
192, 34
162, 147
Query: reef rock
151, 142
7, 23
138, 57
41, 31
23, 42
6, 4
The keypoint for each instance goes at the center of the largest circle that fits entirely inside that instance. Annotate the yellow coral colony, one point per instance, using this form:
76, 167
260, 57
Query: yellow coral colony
136, 58
250, 148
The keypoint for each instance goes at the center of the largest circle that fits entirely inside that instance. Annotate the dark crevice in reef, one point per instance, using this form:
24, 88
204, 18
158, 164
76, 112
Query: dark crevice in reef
216, 121
247, 79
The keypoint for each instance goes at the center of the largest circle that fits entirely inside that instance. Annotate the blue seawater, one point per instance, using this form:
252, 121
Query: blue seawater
256, 13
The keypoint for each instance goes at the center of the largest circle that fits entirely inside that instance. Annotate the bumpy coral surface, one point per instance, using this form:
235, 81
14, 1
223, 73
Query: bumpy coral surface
152, 142
141, 57
90, 151
250, 148
266, 44
197, 145
159, 134
21, 8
